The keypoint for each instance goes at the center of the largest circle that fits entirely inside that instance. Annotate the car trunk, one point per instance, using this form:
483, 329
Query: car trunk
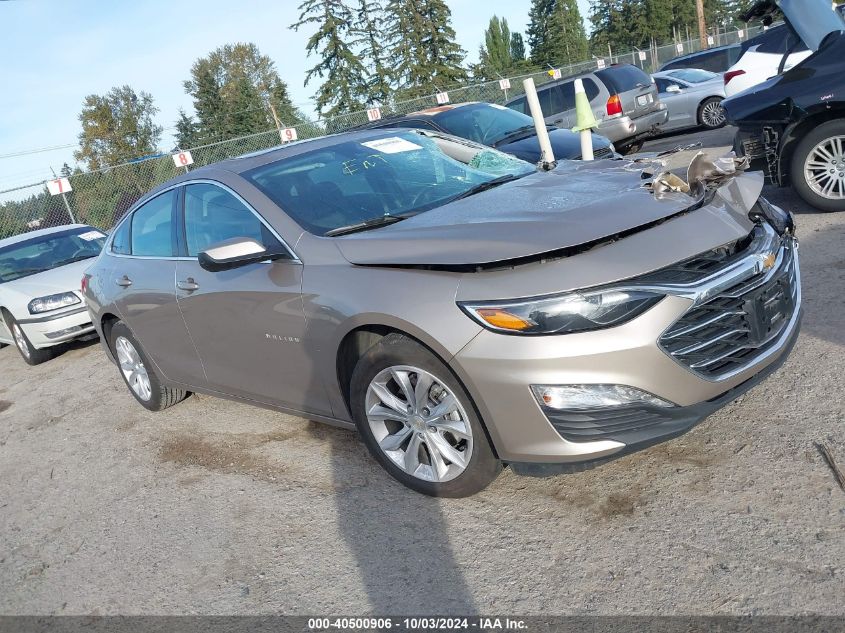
636, 92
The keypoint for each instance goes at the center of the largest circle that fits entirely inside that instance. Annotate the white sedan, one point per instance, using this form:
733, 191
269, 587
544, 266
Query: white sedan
41, 305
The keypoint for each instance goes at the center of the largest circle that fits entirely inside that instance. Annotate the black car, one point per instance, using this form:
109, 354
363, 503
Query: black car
499, 127
792, 126
716, 60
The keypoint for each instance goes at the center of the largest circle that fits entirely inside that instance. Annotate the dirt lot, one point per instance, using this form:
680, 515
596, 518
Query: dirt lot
217, 508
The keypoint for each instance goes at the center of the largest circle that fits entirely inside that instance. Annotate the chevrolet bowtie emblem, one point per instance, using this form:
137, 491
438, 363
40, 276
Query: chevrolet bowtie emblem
769, 260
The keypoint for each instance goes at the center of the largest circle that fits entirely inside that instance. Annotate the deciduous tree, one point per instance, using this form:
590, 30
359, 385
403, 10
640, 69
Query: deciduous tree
117, 127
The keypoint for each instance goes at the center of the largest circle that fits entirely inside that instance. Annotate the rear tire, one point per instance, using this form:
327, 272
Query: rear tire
433, 441
30, 354
711, 114
139, 373
812, 161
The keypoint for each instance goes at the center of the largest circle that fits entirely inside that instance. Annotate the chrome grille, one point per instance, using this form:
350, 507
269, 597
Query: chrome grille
733, 329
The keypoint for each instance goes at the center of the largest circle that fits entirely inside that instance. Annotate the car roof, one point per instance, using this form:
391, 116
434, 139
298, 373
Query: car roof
668, 73
712, 49
22, 237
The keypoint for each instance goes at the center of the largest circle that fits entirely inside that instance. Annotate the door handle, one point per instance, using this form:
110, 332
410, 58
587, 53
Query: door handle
188, 285
123, 282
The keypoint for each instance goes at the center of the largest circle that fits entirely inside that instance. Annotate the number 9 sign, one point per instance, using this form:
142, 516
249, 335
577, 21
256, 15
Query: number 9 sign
288, 134
183, 159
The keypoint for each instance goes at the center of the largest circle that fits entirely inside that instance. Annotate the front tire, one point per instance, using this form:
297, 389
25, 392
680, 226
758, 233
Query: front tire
139, 373
711, 114
31, 355
418, 421
817, 168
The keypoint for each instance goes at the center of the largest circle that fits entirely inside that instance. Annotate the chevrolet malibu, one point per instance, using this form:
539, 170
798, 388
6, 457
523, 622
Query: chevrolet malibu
40, 303
461, 309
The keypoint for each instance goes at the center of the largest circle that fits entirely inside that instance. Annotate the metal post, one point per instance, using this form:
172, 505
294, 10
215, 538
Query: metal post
64, 198
547, 157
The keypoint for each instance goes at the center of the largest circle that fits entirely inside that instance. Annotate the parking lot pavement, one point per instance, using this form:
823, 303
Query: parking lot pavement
215, 507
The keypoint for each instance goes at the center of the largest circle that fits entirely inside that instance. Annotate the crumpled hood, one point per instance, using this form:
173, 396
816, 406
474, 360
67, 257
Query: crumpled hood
63, 279
575, 204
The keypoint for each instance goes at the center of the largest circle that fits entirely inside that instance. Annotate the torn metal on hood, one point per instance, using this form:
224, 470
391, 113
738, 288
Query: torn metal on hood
702, 173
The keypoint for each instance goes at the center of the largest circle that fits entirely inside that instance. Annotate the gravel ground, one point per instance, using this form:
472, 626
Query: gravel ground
218, 508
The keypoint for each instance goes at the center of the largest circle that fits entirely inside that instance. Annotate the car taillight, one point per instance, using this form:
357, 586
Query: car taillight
614, 105
731, 74
84, 285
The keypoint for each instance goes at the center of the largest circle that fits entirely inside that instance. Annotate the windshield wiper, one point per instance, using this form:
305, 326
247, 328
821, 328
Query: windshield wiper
484, 186
366, 225
525, 130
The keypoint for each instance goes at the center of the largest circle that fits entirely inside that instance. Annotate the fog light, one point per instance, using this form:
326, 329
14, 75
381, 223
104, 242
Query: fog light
65, 332
594, 396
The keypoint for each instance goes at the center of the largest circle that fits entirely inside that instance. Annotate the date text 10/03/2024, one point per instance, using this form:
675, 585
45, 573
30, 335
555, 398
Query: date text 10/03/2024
418, 624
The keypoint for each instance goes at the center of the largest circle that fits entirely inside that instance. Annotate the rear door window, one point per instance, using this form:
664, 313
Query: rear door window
152, 226
120, 241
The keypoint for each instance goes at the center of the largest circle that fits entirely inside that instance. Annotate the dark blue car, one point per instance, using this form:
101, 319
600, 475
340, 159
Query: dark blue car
497, 126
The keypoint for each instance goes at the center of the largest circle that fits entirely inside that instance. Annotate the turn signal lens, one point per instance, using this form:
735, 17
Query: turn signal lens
614, 105
504, 320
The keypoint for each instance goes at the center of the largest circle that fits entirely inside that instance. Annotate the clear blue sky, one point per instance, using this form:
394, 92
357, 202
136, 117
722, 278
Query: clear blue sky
55, 52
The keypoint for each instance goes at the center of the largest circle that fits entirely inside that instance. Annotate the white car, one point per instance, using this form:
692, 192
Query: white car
764, 56
41, 304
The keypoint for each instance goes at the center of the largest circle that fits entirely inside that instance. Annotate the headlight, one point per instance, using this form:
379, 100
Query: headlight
562, 314
53, 302
594, 396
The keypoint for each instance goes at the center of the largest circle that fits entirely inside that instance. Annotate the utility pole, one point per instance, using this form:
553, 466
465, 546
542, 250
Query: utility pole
702, 25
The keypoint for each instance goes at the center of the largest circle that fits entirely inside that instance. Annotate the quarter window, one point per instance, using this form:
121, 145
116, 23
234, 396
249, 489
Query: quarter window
152, 226
213, 215
120, 241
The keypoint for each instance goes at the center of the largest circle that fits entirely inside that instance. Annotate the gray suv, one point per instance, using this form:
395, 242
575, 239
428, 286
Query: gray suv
623, 98
458, 307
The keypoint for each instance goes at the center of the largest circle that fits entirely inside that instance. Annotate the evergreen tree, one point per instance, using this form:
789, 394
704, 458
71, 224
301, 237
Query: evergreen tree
539, 22
423, 51
343, 72
517, 47
495, 54
65, 171
567, 38
236, 90
117, 127
371, 16
186, 131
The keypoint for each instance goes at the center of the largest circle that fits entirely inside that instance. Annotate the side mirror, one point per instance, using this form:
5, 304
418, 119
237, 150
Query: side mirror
673, 88
236, 252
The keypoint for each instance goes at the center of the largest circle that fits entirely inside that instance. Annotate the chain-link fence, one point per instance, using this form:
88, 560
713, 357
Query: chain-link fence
101, 197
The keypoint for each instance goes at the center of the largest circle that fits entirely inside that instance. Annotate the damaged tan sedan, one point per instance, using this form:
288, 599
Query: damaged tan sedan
461, 309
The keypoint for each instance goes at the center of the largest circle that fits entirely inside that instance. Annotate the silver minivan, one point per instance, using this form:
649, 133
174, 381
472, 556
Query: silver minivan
623, 98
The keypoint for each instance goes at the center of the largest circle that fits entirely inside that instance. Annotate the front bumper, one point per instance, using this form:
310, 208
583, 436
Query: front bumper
625, 128
53, 329
499, 369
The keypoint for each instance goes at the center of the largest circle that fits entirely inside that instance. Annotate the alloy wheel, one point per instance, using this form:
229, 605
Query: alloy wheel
133, 368
824, 168
20, 340
419, 423
713, 114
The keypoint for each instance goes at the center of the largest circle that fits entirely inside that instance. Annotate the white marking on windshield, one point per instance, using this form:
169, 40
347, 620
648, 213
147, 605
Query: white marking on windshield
392, 145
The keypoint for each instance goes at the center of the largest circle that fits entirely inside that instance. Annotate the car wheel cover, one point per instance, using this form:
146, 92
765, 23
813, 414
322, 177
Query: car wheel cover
713, 114
20, 340
419, 423
133, 368
824, 168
